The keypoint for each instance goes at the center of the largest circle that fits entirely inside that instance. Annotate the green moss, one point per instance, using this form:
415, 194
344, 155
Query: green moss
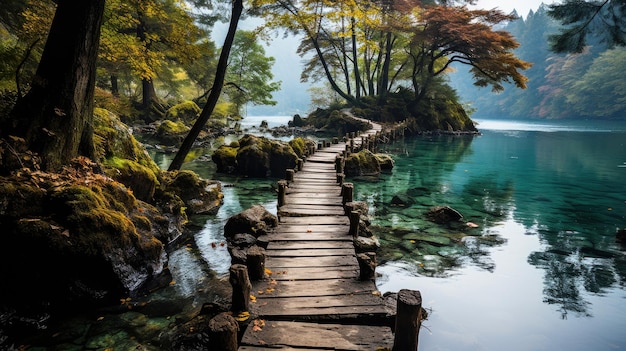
140, 179
185, 111
170, 127
299, 146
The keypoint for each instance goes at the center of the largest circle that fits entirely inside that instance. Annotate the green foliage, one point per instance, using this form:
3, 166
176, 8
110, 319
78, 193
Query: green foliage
580, 19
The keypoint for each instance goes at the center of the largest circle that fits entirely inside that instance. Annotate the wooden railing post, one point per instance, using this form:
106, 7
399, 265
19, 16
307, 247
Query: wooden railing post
367, 265
255, 261
241, 285
408, 320
289, 174
347, 189
282, 191
223, 330
355, 218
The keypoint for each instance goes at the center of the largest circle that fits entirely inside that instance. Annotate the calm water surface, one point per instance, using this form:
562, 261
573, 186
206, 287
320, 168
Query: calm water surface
538, 269
542, 271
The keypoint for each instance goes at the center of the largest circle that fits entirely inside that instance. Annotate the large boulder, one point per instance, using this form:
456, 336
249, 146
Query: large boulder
75, 238
362, 163
443, 214
201, 196
255, 156
256, 220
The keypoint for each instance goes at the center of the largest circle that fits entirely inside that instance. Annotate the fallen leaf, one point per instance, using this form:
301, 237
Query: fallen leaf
243, 316
268, 271
252, 298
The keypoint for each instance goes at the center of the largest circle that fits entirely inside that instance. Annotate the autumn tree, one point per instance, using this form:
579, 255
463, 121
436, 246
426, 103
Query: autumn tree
581, 18
149, 37
447, 35
55, 116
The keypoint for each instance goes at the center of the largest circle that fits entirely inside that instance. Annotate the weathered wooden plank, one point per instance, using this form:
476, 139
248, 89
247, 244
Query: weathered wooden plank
310, 237
318, 287
280, 263
302, 244
328, 220
319, 335
313, 273
323, 312
269, 302
311, 228
308, 199
310, 210
309, 252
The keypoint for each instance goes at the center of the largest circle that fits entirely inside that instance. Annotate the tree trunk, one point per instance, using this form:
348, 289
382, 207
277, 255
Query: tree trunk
55, 116
218, 84
357, 75
115, 90
384, 81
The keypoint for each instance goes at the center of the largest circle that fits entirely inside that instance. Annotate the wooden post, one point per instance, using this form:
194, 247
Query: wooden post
367, 265
340, 178
255, 261
335, 140
241, 288
319, 145
355, 218
289, 174
408, 320
347, 190
339, 164
223, 330
282, 190
300, 163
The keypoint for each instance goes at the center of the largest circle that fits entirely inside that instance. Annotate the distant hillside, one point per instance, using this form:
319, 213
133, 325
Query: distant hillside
588, 85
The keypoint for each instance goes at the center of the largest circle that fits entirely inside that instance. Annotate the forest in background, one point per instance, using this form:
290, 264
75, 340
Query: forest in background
587, 85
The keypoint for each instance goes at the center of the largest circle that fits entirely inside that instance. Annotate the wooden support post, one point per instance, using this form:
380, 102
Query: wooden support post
299, 164
339, 164
351, 149
240, 282
340, 178
255, 261
282, 191
223, 330
367, 265
320, 145
289, 174
408, 320
355, 218
347, 189
335, 140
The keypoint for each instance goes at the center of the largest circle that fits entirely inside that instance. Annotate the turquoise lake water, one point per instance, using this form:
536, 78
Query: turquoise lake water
540, 268
537, 268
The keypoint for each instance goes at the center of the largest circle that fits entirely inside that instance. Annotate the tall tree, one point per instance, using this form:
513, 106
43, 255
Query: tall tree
458, 35
55, 116
218, 84
580, 18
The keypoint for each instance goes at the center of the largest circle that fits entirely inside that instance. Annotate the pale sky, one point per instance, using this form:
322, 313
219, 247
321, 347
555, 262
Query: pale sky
507, 6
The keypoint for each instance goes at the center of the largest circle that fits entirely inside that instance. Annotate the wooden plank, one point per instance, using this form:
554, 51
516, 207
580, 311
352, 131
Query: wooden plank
310, 252
319, 335
311, 220
308, 273
312, 228
277, 303
282, 263
310, 210
302, 244
322, 312
317, 287
325, 200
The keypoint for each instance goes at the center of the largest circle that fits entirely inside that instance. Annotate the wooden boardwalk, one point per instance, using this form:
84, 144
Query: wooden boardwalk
313, 298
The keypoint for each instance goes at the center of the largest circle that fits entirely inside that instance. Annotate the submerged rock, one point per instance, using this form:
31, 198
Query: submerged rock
443, 214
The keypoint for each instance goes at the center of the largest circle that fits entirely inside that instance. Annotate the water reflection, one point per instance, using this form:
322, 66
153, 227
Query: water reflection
565, 188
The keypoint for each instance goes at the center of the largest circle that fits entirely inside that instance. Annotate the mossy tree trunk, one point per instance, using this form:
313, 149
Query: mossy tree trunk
55, 116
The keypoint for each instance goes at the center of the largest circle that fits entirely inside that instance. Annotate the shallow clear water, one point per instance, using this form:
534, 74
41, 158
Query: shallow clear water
542, 271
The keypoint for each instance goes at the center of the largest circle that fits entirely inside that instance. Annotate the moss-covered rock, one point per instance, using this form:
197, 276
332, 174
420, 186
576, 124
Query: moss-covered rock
301, 146
171, 132
139, 178
362, 163
225, 158
256, 157
186, 111
199, 195
74, 237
